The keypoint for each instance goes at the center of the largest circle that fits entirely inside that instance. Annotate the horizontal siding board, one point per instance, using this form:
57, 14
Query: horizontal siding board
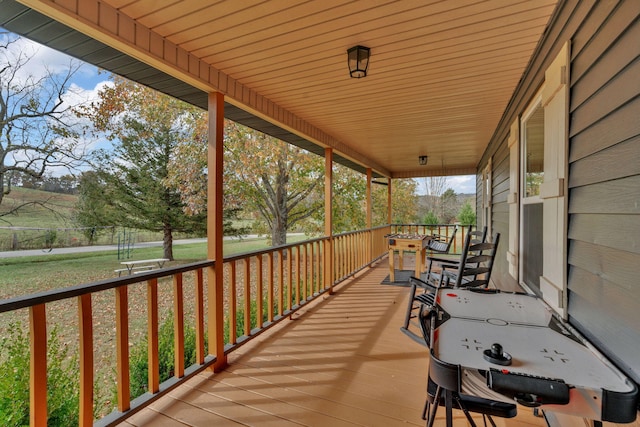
612, 28
612, 163
501, 170
620, 125
592, 22
621, 54
502, 186
612, 231
620, 196
623, 88
619, 302
614, 266
614, 339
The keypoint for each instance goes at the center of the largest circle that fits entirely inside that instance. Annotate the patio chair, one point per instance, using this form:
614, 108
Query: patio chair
472, 237
440, 244
422, 291
475, 266
443, 382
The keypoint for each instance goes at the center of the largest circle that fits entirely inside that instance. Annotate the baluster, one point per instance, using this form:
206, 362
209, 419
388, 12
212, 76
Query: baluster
247, 296
38, 366
178, 325
122, 348
85, 344
199, 316
152, 334
259, 293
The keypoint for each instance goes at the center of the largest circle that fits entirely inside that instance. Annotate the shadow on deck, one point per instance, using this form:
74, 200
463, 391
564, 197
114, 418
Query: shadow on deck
341, 361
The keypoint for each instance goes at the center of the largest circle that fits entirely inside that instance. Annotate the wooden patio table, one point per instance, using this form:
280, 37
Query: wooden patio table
407, 243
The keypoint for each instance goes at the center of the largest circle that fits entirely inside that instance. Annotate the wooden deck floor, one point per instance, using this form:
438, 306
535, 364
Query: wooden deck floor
339, 362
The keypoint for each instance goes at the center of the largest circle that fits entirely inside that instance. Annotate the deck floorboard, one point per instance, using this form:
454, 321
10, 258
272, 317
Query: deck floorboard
341, 361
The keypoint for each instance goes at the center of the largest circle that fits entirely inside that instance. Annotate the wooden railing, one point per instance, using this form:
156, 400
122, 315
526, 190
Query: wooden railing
271, 283
444, 230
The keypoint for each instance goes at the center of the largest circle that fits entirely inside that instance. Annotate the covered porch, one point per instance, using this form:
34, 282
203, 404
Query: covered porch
479, 69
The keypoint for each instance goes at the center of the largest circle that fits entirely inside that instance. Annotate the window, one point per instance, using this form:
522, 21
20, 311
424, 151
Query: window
531, 225
534, 152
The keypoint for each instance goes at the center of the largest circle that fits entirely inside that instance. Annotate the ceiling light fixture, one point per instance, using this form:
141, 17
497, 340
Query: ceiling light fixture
422, 160
358, 59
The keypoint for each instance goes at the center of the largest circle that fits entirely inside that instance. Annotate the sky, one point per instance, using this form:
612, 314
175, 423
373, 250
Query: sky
89, 80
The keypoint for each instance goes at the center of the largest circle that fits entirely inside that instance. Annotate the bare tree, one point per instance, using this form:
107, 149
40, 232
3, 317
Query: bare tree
36, 123
434, 188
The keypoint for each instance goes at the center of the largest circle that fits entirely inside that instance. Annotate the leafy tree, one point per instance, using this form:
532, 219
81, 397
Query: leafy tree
431, 219
91, 211
348, 207
188, 175
279, 181
404, 201
36, 125
145, 128
467, 216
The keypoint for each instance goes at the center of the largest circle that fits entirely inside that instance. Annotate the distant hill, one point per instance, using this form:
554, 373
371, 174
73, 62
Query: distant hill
54, 210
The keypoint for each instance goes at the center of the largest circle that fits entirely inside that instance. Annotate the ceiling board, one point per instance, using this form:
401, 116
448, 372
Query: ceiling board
440, 77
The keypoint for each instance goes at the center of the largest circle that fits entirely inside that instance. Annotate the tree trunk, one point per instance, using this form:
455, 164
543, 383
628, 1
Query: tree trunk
167, 242
278, 234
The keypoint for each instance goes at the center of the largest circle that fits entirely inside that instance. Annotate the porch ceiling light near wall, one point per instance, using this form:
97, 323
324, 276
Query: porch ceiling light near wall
358, 58
422, 160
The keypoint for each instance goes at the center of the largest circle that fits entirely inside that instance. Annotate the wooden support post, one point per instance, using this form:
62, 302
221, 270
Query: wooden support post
369, 248
328, 219
389, 207
215, 286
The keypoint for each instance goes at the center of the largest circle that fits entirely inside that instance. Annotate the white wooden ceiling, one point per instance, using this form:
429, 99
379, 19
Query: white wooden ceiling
440, 76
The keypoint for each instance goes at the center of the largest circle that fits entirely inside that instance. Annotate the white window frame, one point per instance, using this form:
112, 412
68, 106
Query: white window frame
535, 103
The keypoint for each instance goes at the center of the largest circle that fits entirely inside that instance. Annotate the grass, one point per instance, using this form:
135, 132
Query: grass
26, 275
58, 214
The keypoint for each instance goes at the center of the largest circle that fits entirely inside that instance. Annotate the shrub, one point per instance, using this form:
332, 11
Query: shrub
62, 380
431, 219
139, 363
467, 216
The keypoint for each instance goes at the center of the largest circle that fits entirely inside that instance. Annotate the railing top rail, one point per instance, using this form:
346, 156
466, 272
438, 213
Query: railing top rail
26, 301
31, 300
427, 225
243, 255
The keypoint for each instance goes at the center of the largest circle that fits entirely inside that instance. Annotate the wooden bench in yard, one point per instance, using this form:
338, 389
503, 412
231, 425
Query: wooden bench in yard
141, 265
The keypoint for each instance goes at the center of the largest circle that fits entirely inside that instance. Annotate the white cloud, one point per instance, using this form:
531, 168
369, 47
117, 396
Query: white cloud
463, 184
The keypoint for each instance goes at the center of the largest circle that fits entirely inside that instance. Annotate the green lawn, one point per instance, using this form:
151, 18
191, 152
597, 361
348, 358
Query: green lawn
26, 275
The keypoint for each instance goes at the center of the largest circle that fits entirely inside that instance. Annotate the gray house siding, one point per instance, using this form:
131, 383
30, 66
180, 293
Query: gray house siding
604, 183
604, 170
